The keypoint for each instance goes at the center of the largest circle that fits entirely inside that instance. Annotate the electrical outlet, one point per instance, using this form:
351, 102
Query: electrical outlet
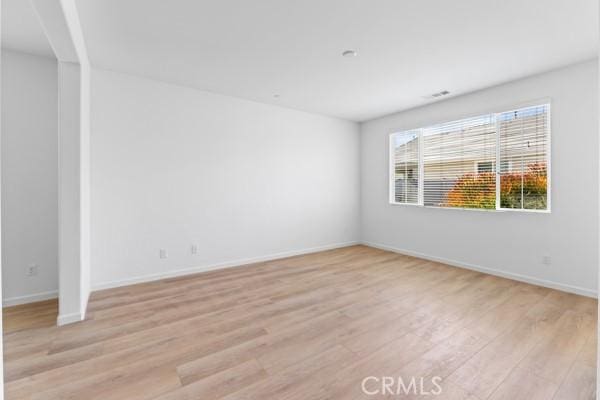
194, 249
163, 253
546, 260
32, 270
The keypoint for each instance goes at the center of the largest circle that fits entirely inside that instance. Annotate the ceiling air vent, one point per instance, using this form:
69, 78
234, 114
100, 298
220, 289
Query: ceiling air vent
438, 95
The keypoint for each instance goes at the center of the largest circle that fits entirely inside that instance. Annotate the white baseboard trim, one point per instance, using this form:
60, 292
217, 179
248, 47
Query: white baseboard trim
65, 319
212, 267
491, 271
30, 298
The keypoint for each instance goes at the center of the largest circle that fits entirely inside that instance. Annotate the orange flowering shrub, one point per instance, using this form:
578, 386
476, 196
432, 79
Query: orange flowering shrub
534, 183
479, 190
473, 191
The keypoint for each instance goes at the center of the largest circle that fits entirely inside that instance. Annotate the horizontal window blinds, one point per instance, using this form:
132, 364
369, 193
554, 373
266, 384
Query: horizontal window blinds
406, 167
451, 155
493, 161
524, 158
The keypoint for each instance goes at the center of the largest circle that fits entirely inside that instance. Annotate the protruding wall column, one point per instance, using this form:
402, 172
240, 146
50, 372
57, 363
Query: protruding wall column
61, 24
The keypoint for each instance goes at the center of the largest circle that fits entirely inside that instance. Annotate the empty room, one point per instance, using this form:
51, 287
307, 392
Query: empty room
299, 200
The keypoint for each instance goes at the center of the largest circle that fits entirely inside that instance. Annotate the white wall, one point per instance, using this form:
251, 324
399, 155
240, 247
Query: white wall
173, 166
29, 176
509, 243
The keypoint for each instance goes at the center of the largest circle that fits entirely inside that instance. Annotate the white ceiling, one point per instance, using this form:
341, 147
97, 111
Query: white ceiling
407, 49
21, 29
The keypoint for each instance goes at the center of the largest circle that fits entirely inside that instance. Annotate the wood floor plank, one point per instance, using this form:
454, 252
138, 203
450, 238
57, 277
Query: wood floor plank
42, 314
552, 357
273, 345
220, 384
580, 383
168, 354
486, 370
309, 327
297, 376
345, 383
444, 358
522, 384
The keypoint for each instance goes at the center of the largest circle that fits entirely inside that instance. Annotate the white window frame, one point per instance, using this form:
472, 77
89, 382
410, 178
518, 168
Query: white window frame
391, 163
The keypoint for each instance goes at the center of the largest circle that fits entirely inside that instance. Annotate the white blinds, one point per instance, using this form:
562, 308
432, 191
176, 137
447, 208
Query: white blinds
406, 167
453, 153
454, 164
523, 141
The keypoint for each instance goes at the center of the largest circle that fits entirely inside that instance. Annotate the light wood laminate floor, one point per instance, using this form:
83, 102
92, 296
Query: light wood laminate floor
309, 327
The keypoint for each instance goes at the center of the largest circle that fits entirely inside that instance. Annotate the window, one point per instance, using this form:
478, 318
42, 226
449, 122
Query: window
450, 151
485, 166
454, 164
523, 142
406, 168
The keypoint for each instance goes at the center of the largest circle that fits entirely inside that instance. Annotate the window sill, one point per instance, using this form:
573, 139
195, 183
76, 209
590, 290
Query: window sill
485, 210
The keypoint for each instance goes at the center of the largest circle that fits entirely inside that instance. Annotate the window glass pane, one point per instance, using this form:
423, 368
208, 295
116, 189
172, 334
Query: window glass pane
406, 167
524, 136
458, 163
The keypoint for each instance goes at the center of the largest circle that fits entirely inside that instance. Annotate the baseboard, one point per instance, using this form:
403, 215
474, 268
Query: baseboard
491, 271
30, 298
65, 319
212, 267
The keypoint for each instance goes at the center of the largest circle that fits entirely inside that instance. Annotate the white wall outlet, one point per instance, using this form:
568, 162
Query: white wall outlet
546, 260
32, 270
194, 249
163, 253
